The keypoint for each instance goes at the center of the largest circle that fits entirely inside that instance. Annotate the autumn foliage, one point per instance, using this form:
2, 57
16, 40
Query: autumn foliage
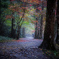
32, 1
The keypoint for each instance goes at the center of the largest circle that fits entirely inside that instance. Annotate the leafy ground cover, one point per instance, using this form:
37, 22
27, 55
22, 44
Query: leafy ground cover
5, 39
14, 49
52, 54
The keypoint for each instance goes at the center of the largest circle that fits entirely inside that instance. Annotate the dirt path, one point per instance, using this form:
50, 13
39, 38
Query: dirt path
22, 49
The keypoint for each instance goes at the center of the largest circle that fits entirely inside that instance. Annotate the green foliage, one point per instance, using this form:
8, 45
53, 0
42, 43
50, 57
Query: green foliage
7, 12
5, 38
52, 54
4, 4
8, 22
26, 23
4, 30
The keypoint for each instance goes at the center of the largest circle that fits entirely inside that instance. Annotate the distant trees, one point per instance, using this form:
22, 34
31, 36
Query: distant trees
48, 42
39, 24
16, 17
19, 26
36, 29
23, 32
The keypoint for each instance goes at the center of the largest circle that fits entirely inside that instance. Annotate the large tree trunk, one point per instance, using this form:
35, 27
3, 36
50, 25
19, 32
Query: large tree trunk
48, 42
57, 16
57, 39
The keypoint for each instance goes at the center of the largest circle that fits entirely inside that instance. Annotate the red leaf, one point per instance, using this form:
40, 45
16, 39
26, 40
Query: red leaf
30, 5
39, 8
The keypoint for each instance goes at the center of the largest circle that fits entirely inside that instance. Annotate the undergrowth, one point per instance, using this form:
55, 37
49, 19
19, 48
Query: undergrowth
5, 39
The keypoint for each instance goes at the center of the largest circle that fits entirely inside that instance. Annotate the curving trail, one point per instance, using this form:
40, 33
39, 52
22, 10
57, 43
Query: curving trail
23, 48
22, 43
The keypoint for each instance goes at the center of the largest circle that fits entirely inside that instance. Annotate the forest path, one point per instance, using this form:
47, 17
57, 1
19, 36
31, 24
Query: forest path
29, 43
23, 43
22, 49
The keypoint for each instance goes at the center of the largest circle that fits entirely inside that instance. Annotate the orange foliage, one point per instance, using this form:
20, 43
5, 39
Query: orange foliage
32, 1
8, 17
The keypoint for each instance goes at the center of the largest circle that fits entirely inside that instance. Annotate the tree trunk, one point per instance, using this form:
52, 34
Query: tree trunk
36, 25
13, 33
57, 39
12, 30
41, 26
18, 32
19, 27
41, 23
36, 29
57, 16
48, 42
23, 31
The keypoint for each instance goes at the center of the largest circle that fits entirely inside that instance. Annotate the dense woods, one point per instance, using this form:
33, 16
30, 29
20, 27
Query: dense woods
31, 19
14, 15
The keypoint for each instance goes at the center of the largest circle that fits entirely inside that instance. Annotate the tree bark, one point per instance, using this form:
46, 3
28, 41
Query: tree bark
57, 17
48, 42
12, 29
36, 29
18, 32
41, 23
23, 31
36, 25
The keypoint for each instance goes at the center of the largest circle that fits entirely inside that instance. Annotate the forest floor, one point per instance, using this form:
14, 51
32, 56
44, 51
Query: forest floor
22, 49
